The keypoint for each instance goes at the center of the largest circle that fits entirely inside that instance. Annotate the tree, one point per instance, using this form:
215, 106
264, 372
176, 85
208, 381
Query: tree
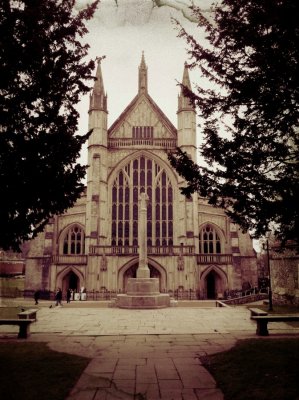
249, 114
43, 75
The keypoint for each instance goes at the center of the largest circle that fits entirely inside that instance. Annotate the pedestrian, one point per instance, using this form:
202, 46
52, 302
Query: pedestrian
58, 297
68, 295
36, 296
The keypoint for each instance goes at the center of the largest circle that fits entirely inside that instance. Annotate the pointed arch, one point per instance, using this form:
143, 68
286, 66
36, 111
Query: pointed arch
64, 272
213, 282
217, 270
72, 239
142, 172
148, 154
152, 263
211, 238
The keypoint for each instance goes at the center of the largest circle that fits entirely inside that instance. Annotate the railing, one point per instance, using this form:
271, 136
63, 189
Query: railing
214, 259
154, 143
79, 259
151, 250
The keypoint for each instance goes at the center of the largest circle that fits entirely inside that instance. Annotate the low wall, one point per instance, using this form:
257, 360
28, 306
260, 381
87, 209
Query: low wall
246, 299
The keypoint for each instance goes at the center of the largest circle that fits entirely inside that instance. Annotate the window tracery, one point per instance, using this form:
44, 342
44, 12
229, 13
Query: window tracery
74, 241
142, 175
209, 241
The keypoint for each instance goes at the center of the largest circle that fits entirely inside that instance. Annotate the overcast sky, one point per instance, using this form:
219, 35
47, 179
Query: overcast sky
121, 32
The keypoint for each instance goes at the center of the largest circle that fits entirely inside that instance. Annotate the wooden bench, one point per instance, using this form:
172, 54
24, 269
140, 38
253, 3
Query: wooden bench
24, 326
257, 311
28, 314
262, 321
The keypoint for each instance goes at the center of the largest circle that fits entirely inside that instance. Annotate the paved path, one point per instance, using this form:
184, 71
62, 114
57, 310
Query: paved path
114, 321
143, 354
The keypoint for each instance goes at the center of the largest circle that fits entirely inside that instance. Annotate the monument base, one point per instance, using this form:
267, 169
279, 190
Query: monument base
143, 293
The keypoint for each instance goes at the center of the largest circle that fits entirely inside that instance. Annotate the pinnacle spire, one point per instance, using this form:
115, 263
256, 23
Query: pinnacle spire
99, 84
186, 79
183, 101
142, 82
98, 98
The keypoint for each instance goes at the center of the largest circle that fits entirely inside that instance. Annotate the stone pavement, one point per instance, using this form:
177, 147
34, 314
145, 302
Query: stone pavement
144, 354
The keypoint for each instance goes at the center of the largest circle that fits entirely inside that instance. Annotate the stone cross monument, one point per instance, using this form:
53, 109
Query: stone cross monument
143, 291
143, 269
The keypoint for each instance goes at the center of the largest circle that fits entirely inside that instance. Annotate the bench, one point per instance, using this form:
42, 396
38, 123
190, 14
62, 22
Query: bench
257, 311
28, 314
24, 326
262, 321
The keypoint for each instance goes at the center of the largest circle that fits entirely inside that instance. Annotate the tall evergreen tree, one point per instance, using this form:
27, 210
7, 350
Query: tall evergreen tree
249, 114
43, 73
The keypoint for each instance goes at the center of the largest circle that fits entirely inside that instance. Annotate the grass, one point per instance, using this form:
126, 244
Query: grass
283, 309
12, 283
9, 312
31, 371
257, 369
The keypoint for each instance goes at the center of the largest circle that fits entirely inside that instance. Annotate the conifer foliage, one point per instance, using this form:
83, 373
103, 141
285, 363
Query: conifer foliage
249, 114
43, 75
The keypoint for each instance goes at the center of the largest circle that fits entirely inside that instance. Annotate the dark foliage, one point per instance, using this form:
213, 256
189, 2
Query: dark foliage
249, 114
43, 75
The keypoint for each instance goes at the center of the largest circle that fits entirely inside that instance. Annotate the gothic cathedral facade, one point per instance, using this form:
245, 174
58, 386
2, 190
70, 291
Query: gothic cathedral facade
191, 246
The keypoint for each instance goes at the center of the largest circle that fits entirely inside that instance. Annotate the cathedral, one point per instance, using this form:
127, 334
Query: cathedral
191, 246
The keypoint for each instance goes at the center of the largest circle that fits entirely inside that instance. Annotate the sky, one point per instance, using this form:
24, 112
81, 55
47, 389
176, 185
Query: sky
120, 30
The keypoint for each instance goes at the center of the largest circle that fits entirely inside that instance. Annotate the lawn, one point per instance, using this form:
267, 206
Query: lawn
259, 369
31, 371
11, 287
282, 309
10, 312
287, 309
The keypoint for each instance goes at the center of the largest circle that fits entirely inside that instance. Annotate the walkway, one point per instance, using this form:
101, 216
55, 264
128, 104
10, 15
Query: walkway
143, 354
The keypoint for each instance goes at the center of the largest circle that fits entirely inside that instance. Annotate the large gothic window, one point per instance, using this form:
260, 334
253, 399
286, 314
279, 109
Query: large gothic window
209, 241
142, 175
73, 242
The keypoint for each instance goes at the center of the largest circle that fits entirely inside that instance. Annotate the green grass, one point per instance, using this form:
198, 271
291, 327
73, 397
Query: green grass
257, 369
31, 371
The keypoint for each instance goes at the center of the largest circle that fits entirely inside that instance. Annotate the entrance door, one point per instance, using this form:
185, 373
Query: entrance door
70, 281
211, 285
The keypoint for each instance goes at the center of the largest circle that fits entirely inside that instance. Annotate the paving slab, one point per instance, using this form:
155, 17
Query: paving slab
143, 354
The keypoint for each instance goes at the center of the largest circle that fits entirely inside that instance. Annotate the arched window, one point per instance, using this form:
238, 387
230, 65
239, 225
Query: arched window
142, 175
209, 241
73, 242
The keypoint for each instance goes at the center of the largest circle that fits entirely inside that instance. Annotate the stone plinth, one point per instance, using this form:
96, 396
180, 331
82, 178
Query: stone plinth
148, 286
143, 293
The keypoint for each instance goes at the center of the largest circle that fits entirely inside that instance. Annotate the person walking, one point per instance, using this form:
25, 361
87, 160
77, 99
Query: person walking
58, 297
36, 296
68, 295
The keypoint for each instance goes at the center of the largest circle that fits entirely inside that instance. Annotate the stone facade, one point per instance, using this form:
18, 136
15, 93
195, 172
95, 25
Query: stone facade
284, 276
190, 244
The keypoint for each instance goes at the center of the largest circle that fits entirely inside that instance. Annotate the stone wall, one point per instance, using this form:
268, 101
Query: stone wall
284, 277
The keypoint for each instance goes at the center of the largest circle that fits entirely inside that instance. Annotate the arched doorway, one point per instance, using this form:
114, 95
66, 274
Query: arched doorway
71, 281
131, 273
211, 285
